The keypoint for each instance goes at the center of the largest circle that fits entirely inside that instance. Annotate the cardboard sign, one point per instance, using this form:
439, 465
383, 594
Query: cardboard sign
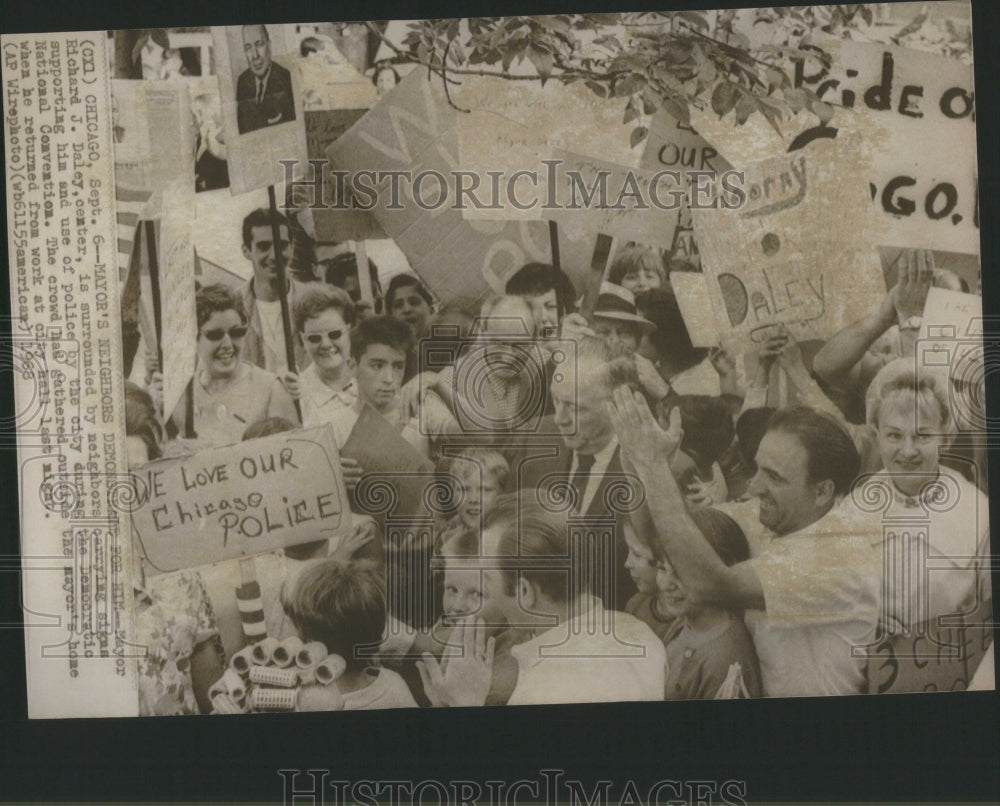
151, 128
262, 120
693, 298
512, 126
915, 113
342, 223
594, 195
385, 455
932, 657
674, 146
242, 499
177, 291
767, 267
413, 129
952, 315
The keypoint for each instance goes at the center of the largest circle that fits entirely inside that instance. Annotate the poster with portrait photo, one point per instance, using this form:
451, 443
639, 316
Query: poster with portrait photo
262, 114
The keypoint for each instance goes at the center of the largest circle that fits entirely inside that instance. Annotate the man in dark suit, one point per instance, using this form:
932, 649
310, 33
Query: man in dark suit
586, 460
264, 90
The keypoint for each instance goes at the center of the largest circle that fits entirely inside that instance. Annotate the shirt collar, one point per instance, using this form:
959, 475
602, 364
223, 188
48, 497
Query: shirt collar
320, 394
533, 651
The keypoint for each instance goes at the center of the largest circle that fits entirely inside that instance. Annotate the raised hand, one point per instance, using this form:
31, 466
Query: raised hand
916, 275
640, 436
464, 679
362, 534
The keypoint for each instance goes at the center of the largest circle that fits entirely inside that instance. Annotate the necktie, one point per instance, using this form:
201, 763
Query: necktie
260, 90
579, 481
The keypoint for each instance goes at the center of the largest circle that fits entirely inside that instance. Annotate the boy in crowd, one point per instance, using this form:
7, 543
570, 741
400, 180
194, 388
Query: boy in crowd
343, 605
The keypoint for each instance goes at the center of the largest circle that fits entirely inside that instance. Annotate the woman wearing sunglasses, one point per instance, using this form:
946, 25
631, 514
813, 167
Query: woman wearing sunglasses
229, 394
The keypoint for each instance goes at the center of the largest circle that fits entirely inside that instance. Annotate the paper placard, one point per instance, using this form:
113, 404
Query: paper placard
248, 498
693, 298
177, 291
262, 124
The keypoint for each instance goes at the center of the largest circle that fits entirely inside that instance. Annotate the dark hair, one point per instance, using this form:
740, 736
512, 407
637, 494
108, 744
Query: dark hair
723, 534
750, 430
268, 427
632, 258
320, 298
707, 423
310, 45
381, 330
344, 265
140, 419
830, 452
341, 604
535, 279
379, 69
217, 297
401, 281
261, 217
670, 339
531, 532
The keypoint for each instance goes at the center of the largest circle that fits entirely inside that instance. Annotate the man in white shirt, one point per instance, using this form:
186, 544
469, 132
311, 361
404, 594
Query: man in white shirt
264, 344
811, 590
575, 650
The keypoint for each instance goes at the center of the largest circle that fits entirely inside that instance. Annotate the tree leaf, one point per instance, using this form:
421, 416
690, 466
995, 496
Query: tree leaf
695, 18
638, 135
598, 89
631, 111
629, 85
723, 98
542, 59
745, 107
678, 110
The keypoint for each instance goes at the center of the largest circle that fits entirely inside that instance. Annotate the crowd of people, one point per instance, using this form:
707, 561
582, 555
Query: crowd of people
630, 517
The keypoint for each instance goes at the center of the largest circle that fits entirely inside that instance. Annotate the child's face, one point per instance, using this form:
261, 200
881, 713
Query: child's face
478, 491
379, 373
673, 595
640, 562
462, 592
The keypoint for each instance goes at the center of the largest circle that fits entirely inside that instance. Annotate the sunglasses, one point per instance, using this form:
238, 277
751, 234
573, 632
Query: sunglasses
217, 333
316, 338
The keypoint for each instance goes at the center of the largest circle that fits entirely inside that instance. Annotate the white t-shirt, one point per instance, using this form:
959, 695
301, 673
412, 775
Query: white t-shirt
274, 336
597, 656
821, 606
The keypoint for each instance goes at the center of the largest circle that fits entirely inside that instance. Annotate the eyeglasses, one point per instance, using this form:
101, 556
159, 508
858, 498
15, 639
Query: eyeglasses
316, 338
217, 333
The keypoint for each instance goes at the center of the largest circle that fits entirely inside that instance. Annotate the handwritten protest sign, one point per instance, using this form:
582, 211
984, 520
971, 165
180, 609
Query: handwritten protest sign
262, 123
242, 499
177, 292
932, 657
767, 267
413, 129
152, 132
951, 315
340, 222
675, 146
916, 114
